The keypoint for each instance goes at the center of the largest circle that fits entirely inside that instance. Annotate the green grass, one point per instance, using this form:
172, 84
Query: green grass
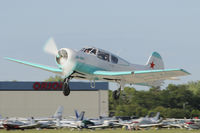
102, 131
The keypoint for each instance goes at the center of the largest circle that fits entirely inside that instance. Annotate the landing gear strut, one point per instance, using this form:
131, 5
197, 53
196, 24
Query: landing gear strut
65, 87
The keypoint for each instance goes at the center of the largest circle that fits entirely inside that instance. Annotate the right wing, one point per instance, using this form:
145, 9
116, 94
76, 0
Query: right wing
46, 68
144, 77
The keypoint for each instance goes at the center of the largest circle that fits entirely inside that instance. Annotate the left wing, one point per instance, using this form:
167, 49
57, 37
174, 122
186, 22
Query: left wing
43, 67
146, 77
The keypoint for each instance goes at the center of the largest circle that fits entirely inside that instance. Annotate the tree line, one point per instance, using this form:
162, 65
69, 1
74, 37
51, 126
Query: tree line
175, 101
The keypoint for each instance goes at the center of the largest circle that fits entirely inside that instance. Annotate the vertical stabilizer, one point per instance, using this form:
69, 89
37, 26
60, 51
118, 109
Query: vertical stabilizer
81, 116
76, 113
155, 61
156, 118
58, 113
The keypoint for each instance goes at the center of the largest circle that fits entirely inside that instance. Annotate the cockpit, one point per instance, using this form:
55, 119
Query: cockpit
101, 54
90, 50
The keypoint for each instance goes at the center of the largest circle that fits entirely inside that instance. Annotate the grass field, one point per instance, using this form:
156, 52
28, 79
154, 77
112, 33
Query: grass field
102, 131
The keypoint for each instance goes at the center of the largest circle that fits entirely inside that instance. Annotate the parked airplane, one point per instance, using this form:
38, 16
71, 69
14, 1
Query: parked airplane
143, 122
18, 124
75, 122
29, 123
103, 123
96, 64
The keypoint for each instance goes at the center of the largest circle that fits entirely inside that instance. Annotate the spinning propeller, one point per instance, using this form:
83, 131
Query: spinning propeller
65, 57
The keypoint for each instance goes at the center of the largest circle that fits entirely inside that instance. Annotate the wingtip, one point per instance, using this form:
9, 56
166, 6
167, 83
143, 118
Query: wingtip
6, 58
185, 71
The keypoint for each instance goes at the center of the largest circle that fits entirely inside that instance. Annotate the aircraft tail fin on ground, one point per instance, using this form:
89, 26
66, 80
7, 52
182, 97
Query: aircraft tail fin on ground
156, 118
76, 113
155, 61
81, 116
58, 113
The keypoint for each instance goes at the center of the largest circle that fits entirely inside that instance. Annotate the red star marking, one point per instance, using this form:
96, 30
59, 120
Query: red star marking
152, 65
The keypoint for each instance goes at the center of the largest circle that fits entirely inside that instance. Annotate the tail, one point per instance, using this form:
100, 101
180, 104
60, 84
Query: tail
58, 113
155, 61
32, 120
76, 113
81, 116
156, 118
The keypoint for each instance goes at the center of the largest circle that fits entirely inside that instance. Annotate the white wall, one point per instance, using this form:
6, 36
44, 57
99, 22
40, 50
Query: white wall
45, 103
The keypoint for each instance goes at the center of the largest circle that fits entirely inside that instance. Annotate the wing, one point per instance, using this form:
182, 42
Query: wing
46, 68
30, 126
98, 126
150, 125
146, 77
69, 126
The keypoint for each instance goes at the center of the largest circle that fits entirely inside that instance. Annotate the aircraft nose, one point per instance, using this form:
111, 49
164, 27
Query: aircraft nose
62, 54
66, 60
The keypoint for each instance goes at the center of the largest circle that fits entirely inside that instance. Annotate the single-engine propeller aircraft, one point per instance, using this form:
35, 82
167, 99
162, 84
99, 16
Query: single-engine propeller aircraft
97, 64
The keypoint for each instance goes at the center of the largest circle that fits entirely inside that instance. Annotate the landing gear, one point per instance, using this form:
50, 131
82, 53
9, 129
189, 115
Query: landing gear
116, 93
65, 87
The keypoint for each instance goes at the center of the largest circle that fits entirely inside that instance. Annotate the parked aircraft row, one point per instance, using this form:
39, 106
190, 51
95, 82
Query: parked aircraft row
79, 122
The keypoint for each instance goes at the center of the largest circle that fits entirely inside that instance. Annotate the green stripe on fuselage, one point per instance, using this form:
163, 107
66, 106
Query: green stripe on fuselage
86, 68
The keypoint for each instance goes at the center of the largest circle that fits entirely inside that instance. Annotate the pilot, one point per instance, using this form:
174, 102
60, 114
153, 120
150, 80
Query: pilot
106, 57
87, 51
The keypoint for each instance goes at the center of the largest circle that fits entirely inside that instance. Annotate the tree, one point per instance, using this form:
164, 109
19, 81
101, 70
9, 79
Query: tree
194, 87
56, 78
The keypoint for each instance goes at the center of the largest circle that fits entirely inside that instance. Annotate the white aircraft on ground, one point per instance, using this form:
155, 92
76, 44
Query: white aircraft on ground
30, 123
96, 64
76, 122
143, 122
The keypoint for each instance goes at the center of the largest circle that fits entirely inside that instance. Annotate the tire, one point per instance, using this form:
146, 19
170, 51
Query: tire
116, 94
66, 89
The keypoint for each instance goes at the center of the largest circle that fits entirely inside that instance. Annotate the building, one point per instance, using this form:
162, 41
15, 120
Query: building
41, 99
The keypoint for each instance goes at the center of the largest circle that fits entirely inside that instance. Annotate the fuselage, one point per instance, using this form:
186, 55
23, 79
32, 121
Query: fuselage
87, 62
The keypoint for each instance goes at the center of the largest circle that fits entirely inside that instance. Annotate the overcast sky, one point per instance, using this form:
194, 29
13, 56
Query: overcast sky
131, 29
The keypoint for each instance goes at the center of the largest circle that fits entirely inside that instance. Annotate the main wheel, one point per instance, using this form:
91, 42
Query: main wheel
66, 89
116, 94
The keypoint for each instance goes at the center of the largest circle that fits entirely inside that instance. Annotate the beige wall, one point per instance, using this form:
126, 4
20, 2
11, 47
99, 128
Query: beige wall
45, 103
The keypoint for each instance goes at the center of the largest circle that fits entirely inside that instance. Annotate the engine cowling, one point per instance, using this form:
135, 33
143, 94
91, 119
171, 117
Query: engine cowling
66, 60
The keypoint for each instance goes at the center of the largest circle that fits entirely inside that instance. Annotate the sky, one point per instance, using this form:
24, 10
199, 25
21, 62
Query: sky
132, 29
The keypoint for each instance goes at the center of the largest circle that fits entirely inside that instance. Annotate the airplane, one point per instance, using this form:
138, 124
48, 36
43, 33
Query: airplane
110, 123
18, 124
75, 122
96, 64
143, 122
30, 123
